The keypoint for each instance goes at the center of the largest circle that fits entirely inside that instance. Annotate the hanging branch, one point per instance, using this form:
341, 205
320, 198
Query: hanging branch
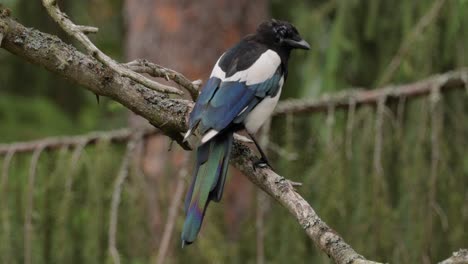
174, 209
5, 212
5, 172
330, 124
379, 116
116, 194
446, 82
75, 158
170, 115
400, 115
405, 46
28, 227
433, 205
53, 143
64, 208
349, 129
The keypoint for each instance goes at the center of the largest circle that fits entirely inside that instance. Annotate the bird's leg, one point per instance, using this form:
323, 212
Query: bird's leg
263, 160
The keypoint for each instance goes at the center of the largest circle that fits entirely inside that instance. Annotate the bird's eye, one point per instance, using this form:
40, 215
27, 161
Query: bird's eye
281, 32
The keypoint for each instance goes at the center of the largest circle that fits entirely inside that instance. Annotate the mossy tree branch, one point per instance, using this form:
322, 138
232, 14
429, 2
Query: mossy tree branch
80, 34
458, 257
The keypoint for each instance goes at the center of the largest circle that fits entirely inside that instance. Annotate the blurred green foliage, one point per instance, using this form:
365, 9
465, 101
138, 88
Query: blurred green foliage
35, 103
354, 41
403, 202
19, 121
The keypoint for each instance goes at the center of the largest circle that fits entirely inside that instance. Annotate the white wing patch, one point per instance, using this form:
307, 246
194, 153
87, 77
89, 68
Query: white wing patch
260, 71
189, 132
243, 110
209, 135
217, 71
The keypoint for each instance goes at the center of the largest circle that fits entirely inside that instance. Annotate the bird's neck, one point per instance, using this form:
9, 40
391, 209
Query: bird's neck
284, 55
282, 51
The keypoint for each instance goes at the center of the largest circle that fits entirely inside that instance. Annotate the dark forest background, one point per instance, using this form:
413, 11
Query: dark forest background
405, 201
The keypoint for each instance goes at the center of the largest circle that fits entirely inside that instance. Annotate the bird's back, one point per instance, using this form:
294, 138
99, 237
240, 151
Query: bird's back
241, 56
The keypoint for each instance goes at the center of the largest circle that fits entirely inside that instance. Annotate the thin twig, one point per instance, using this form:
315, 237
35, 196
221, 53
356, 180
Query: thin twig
5, 207
242, 138
400, 116
442, 216
349, 129
174, 209
114, 208
79, 33
28, 228
5, 171
155, 70
330, 124
405, 46
64, 208
74, 166
436, 121
87, 29
295, 184
379, 116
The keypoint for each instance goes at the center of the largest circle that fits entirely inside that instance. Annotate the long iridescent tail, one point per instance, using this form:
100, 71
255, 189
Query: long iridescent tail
207, 184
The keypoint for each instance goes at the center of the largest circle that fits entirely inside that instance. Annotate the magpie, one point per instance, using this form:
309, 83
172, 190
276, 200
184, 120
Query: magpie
241, 93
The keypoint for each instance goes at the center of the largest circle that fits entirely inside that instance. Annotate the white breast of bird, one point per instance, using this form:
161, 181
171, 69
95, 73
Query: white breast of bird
262, 111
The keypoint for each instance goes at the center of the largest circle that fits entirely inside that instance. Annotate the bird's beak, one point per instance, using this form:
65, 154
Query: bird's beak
298, 44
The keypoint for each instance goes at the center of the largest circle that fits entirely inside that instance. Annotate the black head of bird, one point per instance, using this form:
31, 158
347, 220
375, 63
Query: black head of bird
280, 34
